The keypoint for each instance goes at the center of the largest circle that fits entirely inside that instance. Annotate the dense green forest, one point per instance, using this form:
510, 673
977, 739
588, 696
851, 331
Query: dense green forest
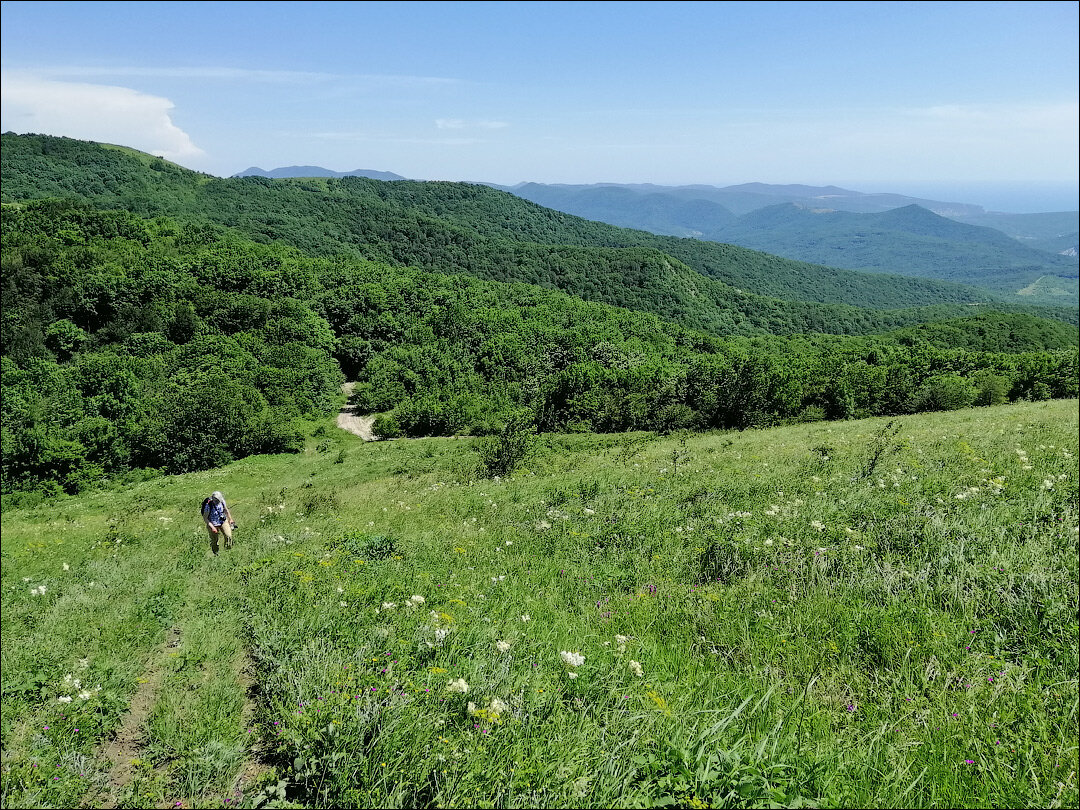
133, 344
487, 233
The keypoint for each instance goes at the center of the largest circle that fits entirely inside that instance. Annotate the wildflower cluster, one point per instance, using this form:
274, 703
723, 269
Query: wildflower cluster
72, 687
457, 686
492, 713
572, 660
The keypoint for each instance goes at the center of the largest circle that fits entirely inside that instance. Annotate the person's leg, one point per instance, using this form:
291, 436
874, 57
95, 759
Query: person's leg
226, 530
213, 539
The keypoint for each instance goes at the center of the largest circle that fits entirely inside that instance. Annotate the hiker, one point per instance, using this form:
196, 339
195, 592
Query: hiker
218, 520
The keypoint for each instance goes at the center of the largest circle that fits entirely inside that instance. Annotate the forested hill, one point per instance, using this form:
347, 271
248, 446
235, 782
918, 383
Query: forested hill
153, 345
909, 240
454, 227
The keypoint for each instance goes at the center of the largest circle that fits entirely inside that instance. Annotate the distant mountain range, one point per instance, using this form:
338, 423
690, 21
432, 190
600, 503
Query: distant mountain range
723, 205
747, 197
316, 171
1033, 255
911, 241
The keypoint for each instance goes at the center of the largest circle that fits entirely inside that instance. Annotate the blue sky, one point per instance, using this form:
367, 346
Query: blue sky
973, 102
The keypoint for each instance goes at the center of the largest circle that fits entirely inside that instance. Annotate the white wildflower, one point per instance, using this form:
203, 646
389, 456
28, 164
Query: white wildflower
525, 617
64, 699
589, 511
502, 646
573, 675
572, 659
85, 694
389, 605
67, 567
817, 524
457, 686
635, 667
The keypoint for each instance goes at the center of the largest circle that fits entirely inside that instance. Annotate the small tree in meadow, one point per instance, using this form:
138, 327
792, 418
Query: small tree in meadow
501, 454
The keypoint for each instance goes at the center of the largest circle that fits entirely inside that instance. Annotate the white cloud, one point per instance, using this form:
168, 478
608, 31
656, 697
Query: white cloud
93, 112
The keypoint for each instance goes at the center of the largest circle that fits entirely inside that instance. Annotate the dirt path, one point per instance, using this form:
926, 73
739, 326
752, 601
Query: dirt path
254, 767
122, 751
351, 421
360, 425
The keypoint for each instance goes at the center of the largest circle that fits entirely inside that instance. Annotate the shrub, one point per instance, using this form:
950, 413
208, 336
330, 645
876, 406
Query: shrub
945, 392
386, 426
500, 455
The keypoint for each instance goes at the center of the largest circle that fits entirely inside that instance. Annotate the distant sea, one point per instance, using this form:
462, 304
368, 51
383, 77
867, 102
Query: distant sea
1012, 198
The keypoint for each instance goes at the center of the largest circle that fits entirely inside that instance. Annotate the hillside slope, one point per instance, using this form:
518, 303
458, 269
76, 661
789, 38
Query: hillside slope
862, 614
910, 241
445, 226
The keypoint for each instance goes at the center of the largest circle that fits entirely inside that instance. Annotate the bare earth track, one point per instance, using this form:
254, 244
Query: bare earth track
123, 750
349, 420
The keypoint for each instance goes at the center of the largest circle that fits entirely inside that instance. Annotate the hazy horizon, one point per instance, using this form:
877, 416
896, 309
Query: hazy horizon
1004, 198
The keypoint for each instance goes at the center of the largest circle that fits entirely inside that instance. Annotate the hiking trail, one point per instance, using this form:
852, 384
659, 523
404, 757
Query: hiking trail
122, 751
348, 419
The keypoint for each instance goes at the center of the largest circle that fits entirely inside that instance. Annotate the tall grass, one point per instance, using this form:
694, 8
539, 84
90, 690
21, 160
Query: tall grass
871, 613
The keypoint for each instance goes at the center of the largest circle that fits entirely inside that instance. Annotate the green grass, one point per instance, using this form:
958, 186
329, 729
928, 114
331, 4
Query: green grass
867, 613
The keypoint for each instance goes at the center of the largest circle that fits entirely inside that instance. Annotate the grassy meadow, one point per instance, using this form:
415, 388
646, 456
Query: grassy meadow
845, 614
